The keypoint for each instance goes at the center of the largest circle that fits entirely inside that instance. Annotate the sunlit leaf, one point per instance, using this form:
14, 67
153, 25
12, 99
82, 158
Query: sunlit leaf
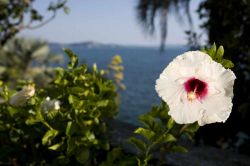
55, 146
73, 58
212, 50
145, 132
220, 53
49, 136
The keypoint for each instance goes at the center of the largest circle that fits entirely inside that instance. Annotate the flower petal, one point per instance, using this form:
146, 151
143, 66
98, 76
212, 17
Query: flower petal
186, 112
185, 65
227, 80
169, 90
217, 76
217, 108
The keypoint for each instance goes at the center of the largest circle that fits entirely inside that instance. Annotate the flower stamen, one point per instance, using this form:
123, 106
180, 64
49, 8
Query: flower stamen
191, 96
195, 88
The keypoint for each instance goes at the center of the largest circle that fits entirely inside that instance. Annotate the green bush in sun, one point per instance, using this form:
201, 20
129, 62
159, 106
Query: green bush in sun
64, 123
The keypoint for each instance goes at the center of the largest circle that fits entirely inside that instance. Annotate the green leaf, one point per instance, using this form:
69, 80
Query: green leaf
39, 116
62, 160
191, 127
31, 120
66, 10
73, 99
71, 128
220, 53
147, 120
140, 145
102, 103
227, 63
115, 154
55, 146
105, 145
49, 136
170, 123
204, 50
82, 156
164, 113
179, 149
71, 145
73, 59
59, 75
145, 132
212, 51
169, 138
77, 90
138, 161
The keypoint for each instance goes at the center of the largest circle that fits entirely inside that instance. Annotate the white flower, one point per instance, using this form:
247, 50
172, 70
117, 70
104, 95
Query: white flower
21, 97
49, 105
196, 88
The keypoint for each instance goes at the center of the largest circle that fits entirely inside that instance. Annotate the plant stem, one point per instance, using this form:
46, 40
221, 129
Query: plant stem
146, 154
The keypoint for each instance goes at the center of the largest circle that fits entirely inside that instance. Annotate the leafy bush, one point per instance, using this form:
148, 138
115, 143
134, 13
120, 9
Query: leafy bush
160, 135
66, 123
41, 131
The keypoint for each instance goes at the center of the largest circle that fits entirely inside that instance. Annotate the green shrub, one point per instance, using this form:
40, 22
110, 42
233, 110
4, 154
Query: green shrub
64, 123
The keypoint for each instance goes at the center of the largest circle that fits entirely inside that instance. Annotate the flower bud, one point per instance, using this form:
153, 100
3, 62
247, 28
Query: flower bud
21, 97
49, 105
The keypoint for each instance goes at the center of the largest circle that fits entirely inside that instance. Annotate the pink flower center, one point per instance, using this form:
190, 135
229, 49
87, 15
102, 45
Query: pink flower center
195, 88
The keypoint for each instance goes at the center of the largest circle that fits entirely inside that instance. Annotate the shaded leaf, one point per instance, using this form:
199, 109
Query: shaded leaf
82, 156
170, 123
140, 145
71, 128
71, 145
179, 149
227, 63
191, 127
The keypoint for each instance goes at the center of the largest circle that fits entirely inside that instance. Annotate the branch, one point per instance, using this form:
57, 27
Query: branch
28, 26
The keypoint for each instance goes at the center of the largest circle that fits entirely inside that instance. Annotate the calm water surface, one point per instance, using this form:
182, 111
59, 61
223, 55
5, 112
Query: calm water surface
142, 67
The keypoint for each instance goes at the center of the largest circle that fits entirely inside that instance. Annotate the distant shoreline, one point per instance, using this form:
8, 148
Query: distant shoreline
92, 44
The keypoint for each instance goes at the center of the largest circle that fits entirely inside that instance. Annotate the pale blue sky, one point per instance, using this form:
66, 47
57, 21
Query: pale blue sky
106, 21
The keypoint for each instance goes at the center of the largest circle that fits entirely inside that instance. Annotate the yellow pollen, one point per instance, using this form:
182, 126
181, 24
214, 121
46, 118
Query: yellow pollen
191, 96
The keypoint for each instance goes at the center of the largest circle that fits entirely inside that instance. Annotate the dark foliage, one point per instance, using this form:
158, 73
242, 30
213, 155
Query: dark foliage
228, 23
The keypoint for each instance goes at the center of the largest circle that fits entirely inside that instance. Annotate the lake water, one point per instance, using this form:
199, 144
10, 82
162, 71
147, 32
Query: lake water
142, 65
